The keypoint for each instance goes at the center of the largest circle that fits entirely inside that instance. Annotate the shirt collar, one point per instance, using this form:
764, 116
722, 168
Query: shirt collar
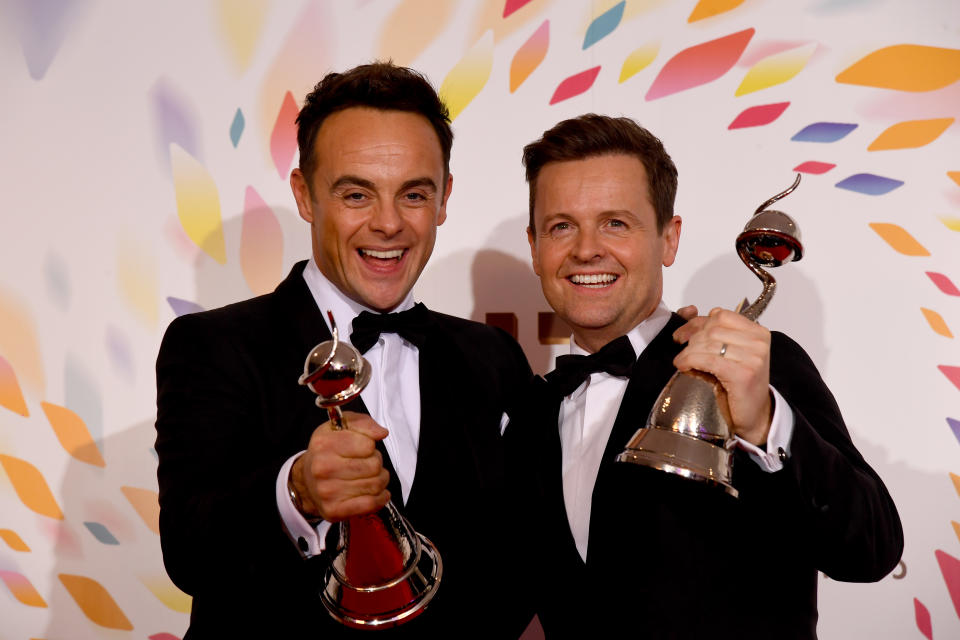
329, 298
641, 335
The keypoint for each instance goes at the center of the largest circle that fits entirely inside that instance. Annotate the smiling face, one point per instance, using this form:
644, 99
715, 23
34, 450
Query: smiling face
374, 202
596, 247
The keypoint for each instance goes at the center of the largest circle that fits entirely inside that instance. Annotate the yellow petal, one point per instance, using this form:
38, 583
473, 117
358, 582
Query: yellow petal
899, 238
198, 204
950, 222
147, 505
31, 487
167, 593
469, 76
638, 60
905, 67
73, 434
95, 602
776, 69
910, 134
242, 22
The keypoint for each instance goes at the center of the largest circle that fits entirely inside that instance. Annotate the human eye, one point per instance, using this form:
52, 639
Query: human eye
414, 197
355, 197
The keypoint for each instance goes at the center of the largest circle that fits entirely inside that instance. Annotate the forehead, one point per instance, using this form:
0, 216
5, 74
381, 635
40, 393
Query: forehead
592, 185
363, 137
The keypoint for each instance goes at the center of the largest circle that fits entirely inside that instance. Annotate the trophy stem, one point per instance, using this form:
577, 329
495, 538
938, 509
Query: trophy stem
769, 286
337, 421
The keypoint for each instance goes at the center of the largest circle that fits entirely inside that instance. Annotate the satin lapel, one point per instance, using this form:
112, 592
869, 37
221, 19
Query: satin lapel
650, 373
297, 307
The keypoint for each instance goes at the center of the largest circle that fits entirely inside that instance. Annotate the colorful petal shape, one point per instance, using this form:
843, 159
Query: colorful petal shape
905, 67
11, 397
923, 619
709, 8
42, 28
955, 176
409, 17
137, 280
175, 121
22, 589
575, 85
950, 568
469, 76
638, 60
776, 69
869, 184
198, 204
73, 434
910, 134
182, 307
899, 239
759, 116
95, 602
19, 344
101, 533
956, 482
236, 127
699, 64
604, 24
242, 24
261, 245
163, 636
13, 541
952, 373
950, 222
529, 56
510, 6
31, 487
814, 167
936, 322
283, 138
823, 132
955, 427
147, 505
944, 283
167, 593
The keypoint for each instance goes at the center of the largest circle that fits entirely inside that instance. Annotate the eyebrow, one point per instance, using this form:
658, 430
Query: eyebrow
357, 181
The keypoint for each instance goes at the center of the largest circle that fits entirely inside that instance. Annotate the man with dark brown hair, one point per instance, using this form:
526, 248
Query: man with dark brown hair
624, 549
251, 474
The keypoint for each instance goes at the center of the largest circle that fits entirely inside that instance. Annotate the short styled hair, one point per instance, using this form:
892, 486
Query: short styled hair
379, 85
592, 135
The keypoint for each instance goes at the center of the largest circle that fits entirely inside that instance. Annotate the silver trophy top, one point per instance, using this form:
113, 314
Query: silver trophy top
335, 370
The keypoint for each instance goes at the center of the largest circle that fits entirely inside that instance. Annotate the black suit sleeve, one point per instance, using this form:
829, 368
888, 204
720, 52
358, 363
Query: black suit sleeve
851, 523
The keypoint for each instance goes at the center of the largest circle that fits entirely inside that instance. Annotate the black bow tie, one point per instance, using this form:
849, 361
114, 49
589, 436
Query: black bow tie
409, 325
616, 358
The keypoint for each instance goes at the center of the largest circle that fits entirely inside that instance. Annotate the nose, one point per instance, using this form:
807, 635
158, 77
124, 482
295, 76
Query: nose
588, 245
386, 219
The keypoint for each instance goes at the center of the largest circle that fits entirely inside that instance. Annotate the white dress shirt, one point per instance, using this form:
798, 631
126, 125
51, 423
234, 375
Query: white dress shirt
586, 419
392, 398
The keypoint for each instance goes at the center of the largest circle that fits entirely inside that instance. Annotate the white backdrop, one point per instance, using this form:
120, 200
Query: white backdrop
146, 148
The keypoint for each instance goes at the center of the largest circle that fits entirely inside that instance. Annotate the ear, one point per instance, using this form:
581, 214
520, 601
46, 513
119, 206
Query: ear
442, 214
532, 239
671, 240
301, 193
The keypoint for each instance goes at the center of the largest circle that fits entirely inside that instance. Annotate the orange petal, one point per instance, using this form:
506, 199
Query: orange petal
956, 482
147, 505
955, 176
21, 589
30, 486
529, 56
11, 396
905, 67
410, 17
936, 322
710, 8
73, 434
910, 134
899, 238
19, 344
956, 528
95, 602
13, 540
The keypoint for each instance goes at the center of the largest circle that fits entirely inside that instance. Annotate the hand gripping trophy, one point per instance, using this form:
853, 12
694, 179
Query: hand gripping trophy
382, 572
688, 430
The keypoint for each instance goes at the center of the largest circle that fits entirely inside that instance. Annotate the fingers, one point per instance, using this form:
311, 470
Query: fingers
688, 312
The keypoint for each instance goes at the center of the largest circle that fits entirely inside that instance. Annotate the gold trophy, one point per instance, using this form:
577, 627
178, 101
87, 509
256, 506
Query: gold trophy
688, 430
382, 572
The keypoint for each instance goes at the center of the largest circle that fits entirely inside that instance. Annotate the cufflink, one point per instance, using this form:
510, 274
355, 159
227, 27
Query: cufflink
781, 454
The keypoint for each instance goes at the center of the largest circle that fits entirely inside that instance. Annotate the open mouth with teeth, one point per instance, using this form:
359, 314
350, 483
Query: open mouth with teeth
593, 280
372, 255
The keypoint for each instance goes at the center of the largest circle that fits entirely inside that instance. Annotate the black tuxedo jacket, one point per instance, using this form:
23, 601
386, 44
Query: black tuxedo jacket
673, 558
230, 412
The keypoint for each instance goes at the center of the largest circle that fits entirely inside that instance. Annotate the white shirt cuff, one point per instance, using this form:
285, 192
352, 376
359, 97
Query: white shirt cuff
309, 541
504, 421
781, 431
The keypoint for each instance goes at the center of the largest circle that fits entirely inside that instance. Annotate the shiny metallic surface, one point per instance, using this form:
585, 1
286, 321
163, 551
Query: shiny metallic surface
688, 432
382, 572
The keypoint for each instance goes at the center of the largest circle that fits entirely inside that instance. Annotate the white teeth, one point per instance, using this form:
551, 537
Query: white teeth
383, 255
593, 278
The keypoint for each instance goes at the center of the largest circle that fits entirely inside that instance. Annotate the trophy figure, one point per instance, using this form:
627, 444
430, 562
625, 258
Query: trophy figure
688, 431
382, 573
